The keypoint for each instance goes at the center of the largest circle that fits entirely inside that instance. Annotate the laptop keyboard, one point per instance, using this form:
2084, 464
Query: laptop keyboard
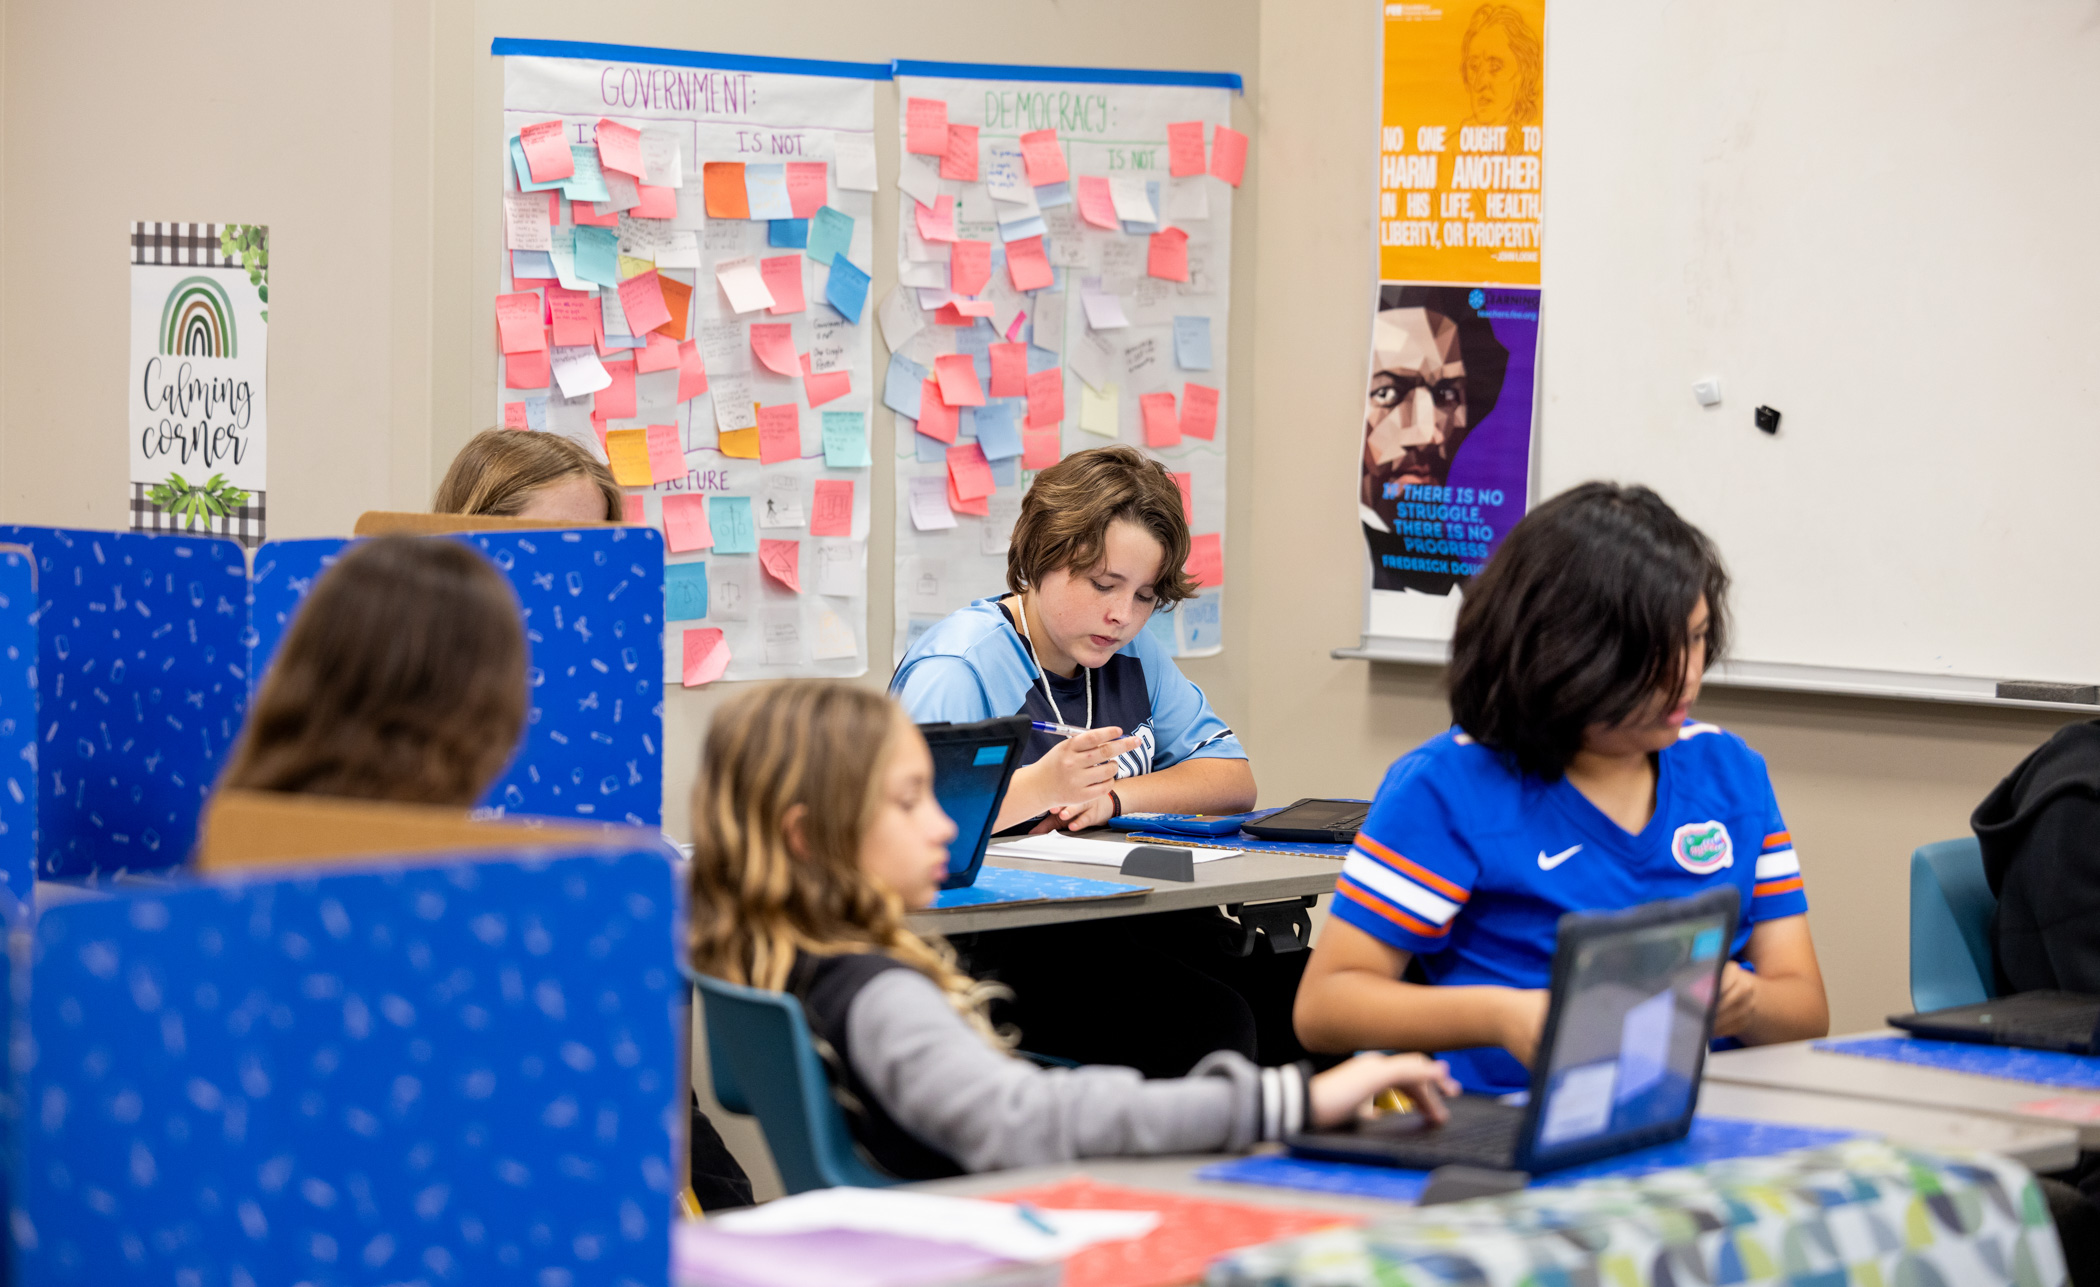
2052, 1029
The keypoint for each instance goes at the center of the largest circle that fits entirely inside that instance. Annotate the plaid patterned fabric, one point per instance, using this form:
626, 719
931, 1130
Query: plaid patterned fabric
179, 244
244, 524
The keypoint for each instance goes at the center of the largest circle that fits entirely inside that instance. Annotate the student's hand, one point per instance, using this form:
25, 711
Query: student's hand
1523, 1021
1079, 770
1078, 817
1345, 1089
1738, 1008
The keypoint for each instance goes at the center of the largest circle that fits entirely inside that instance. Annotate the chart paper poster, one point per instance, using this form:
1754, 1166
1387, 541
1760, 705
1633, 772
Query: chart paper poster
200, 357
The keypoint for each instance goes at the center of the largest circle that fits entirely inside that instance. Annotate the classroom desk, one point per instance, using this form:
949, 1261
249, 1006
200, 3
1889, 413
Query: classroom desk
1248, 878
1798, 1065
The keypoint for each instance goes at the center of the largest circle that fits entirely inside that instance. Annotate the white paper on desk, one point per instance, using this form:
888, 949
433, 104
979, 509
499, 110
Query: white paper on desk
996, 1228
1059, 846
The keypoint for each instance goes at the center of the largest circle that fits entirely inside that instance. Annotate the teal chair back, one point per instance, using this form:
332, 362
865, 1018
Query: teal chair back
1951, 905
762, 1063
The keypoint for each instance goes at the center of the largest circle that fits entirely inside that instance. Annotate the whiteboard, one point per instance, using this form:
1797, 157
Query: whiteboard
1879, 220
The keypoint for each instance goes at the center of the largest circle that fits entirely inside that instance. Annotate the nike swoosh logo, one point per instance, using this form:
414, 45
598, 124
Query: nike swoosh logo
1548, 864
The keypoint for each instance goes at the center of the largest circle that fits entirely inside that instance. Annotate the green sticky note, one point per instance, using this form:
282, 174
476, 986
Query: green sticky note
846, 440
830, 233
729, 517
685, 591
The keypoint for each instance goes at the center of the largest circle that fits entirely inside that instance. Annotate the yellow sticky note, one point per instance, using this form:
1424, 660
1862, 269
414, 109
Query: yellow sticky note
628, 450
741, 443
632, 267
1097, 410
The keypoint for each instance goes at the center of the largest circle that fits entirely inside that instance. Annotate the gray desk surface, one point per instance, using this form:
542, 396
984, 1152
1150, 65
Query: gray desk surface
1248, 878
1797, 1065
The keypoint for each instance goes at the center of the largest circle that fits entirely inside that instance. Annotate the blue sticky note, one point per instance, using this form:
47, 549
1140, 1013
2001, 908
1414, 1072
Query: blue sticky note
830, 233
729, 518
588, 183
1151, 195
976, 341
1192, 343
766, 189
1041, 360
788, 234
524, 170
901, 387
1022, 229
685, 591
598, 256
847, 291
1053, 194
1007, 472
929, 451
530, 264
1199, 622
998, 428
846, 440
536, 414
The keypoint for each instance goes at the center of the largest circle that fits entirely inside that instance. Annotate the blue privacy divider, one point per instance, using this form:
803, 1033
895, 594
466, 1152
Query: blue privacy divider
464, 1073
142, 686
1012, 885
18, 726
2042, 1067
284, 572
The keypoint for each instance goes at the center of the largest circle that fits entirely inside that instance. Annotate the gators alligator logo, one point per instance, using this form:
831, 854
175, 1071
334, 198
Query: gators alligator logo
1702, 848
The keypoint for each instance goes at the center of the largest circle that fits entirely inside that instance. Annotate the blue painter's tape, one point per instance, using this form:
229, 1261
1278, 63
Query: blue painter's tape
505, 47
1070, 75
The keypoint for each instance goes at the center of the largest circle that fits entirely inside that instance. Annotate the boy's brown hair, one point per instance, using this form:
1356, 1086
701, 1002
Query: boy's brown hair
499, 469
1066, 514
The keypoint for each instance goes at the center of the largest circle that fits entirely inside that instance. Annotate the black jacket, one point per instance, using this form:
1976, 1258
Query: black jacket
2040, 832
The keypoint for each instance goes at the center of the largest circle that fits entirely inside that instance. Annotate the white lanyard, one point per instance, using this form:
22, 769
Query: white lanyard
1043, 676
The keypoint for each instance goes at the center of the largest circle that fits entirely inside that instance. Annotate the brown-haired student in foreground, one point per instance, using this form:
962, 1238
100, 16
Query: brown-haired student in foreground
815, 829
510, 473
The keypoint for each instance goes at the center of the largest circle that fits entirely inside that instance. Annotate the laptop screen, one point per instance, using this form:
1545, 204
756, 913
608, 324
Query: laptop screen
972, 764
1631, 1038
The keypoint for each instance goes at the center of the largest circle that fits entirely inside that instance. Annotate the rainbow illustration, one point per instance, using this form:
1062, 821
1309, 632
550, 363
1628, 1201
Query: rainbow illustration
197, 321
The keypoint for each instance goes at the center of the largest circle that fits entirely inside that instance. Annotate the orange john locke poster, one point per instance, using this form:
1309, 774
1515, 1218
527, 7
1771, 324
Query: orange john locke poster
1446, 463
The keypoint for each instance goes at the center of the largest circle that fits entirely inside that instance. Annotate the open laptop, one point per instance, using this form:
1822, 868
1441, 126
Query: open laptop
1619, 1062
972, 766
2065, 1021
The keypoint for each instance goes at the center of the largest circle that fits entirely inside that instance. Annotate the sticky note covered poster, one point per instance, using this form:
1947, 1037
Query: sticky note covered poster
198, 419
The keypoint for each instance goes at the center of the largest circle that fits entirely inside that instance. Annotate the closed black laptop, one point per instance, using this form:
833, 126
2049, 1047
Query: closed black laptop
2065, 1021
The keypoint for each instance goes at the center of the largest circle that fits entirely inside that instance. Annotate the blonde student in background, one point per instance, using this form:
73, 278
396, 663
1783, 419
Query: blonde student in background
511, 473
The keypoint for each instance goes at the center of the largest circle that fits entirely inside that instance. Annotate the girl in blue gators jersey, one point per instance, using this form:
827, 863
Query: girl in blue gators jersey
1574, 780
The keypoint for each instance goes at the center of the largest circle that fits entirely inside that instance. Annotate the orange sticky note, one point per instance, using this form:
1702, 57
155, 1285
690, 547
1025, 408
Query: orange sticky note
632, 510
1187, 484
831, 514
616, 400
660, 355
685, 524
678, 300
957, 374
1043, 158
1046, 399
657, 202
514, 416
1027, 265
779, 433
925, 127
959, 158
576, 317
518, 322
807, 188
783, 276
1185, 148
666, 453
546, 152
1228, 154
1095, 205
619, 148
1206, 563
1040, 448
1162, 424
828, 386
969, 471
937, 221
937, 420
740, 443
774, 342
1009, 370
1168, 256
982, 506
1199, 411
969, 266
725, 193
526, 370
643, 302
706, 656
628, 452
692, 371
782, 561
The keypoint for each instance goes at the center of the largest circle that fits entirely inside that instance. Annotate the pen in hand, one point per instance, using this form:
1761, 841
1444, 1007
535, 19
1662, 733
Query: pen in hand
1055, 730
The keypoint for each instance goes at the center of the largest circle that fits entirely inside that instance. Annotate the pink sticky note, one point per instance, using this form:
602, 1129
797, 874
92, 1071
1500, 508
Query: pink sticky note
828, 386
706, 656
1187, 484
925, 127
685, 524
1095, 205
774, 342
970, 471
981, 506
632, 510
657, 203
779, 433
1009, 371
518, 322
1228, 154
1046, 399
1027, 265
807, 187
975, 307
959, 158
783, 276
642, 299
957, 373
546, 152
782, 561
1044, 159
831, 514
692, 372
529, 370
575, 313
937, 221
1168, 255
1162, 425
660, 355
937, 420
1199, 411
1185, 148
616, 400
514, 416
619, 148
666, 453
1206, 565
586, 217
1040, 448
969, 266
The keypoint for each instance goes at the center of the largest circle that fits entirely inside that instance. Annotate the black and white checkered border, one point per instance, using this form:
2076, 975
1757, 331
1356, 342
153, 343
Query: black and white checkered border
245, 524
186, 244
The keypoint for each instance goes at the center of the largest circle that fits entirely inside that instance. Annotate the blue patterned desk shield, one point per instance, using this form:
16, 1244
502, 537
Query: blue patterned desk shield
18, 726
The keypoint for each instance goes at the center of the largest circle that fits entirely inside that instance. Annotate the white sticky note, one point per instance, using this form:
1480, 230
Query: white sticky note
783, 638
662, 165
920, 178
525, 223
1104, 312
1094, 358
834, 638
1132, 203
729, 589
578, 371
681, 249
724, 349
995, 534
734, 405
780, 502
1050, 320
934, 275
626, 194
901, 318
1188, 198
854, 155
746, 288
838, 569
929, 503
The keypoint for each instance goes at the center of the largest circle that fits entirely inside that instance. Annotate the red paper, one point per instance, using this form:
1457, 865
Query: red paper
1026, 264
518, 322
1040, 448
959, 158
937, 221
779, 434
1192, 1232
832, 512
706, 656
826, 387
782, 561
657, 203
1044, 159
1095, 205
1168, 256
1185, 148
783, 276
616, 400
725, 193
957, 374
547, 152
1009, 371
1206, 565
514, 416
969, 472
576, 316
937, 420
774, 342
982, 506
1199, 411
1187, 484
1228, 154
1162, 424
685, 524
526, 370
585, 217
631, 510
678, 299
666, 453
1046, 399
660, 355
619, 148
969, 266
949, 315
692, 372
643, 301
807, 187
925, 126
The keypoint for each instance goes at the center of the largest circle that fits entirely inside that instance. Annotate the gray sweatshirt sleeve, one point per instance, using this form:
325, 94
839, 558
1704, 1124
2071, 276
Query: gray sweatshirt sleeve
942, 1082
